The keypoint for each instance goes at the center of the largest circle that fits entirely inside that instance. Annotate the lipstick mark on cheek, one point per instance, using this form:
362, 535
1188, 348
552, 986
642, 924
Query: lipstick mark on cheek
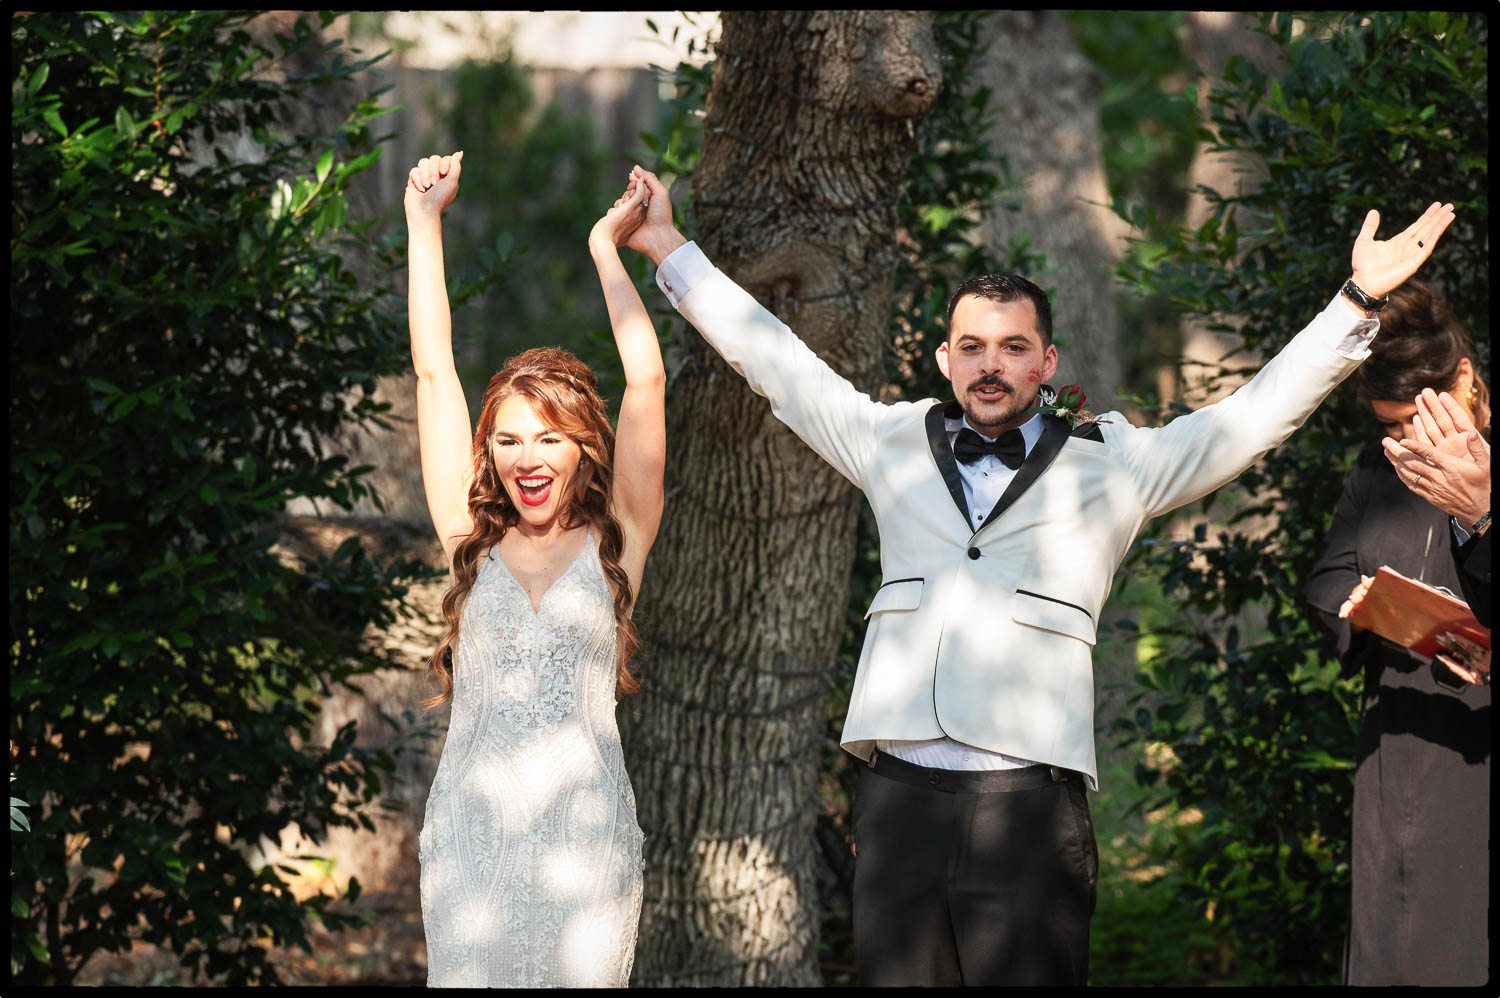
1034, 376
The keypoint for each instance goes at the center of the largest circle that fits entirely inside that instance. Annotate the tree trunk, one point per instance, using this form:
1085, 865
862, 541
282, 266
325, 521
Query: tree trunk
810, 123
1212, 38
1044, 95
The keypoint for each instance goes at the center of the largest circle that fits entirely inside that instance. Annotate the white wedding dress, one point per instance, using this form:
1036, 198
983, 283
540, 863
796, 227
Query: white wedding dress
530, 851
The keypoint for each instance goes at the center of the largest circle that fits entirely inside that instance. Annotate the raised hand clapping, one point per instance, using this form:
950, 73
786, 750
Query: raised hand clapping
1448, 462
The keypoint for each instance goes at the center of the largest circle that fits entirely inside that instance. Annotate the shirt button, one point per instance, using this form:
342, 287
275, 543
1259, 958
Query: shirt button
973, 553
932, 778
966, 757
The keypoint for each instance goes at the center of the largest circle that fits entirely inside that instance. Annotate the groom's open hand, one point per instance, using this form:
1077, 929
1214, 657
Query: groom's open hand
1381, 265
657, 236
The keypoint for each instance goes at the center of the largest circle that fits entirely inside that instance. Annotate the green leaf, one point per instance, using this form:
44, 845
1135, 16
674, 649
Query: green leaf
38, 80
124, 124
51, 117
208, 494
102, 386
325, 163
83, 642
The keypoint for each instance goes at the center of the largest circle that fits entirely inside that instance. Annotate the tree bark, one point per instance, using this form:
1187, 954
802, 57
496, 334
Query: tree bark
1044, 96
1212, 38
810, 123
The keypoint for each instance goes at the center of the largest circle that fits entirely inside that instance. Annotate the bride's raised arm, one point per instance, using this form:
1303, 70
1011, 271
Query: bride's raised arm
641, 436
443, 431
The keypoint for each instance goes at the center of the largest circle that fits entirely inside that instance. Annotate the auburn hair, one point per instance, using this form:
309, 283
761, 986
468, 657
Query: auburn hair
564, 394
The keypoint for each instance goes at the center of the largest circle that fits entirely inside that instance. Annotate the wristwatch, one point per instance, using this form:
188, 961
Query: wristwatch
1479, 524
1356, 294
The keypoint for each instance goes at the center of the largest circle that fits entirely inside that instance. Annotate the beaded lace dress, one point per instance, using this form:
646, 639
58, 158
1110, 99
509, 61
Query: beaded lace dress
530, 851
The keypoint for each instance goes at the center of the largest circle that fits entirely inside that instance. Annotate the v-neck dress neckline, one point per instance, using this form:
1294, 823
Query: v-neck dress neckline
536, 610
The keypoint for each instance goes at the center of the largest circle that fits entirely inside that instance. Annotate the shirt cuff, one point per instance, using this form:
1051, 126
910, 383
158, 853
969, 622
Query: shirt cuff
1349, 342
681, 270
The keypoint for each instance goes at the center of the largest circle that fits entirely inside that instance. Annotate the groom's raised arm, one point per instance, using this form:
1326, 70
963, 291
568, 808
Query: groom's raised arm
830, 415
1199, 452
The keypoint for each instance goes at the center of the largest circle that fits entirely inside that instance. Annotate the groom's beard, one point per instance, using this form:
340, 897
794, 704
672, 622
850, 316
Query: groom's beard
987, 416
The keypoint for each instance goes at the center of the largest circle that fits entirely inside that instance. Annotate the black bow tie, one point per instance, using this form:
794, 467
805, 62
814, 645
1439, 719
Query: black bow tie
1010, 447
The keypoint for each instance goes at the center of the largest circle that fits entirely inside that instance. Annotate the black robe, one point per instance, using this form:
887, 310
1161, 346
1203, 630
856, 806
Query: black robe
1473, 561
1421, 875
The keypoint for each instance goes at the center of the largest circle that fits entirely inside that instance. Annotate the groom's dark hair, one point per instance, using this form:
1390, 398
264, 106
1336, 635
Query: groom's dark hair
1005, 288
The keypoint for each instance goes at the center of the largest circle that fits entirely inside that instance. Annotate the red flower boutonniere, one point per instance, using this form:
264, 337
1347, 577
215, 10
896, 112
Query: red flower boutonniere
1067, 402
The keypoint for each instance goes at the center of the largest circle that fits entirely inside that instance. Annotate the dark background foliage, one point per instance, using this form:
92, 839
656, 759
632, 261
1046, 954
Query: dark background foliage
1386, 110
186, 333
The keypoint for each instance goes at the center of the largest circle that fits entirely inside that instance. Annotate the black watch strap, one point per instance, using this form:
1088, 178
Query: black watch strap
1357, 295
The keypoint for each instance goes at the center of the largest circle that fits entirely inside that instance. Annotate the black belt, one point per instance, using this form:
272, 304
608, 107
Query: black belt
958, 781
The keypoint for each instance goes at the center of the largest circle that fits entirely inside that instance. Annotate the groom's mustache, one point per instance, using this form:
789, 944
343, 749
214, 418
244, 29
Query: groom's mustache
992, 380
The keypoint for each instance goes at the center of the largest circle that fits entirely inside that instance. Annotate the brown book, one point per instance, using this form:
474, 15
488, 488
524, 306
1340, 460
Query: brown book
1413, 614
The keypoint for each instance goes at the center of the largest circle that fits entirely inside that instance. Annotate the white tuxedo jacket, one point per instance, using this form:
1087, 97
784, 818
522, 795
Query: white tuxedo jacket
986, 636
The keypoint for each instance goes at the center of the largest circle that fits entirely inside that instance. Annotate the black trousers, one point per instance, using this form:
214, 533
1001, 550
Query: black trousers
972, 878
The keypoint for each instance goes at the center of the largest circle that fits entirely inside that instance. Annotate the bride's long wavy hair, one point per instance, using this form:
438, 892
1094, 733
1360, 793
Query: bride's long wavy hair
564, 393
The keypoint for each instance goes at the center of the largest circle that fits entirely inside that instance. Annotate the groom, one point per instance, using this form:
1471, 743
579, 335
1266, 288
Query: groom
1000, 531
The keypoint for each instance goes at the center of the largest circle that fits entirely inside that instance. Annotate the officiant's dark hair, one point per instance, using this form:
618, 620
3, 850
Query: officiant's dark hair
1420, 345
1006, 288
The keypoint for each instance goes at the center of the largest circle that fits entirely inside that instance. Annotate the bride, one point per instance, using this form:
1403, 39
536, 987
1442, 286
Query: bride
530, 851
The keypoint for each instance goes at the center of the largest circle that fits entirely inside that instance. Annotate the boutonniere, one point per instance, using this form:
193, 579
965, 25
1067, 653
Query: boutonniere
1067, 402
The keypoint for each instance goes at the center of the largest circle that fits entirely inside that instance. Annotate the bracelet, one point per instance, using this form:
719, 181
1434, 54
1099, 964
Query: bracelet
1360, 297
1480, 523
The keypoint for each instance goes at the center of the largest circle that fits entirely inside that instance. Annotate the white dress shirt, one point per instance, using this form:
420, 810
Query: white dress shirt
984, 482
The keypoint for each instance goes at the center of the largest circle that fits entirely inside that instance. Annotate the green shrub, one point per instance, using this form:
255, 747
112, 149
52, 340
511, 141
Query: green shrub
186, 336
1385, 110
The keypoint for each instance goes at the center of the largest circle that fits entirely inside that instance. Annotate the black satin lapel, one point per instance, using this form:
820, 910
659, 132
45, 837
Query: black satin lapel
1054, 435
1088, 431
942, 453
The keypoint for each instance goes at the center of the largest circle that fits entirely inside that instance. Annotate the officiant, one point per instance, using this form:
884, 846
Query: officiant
1420, 894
